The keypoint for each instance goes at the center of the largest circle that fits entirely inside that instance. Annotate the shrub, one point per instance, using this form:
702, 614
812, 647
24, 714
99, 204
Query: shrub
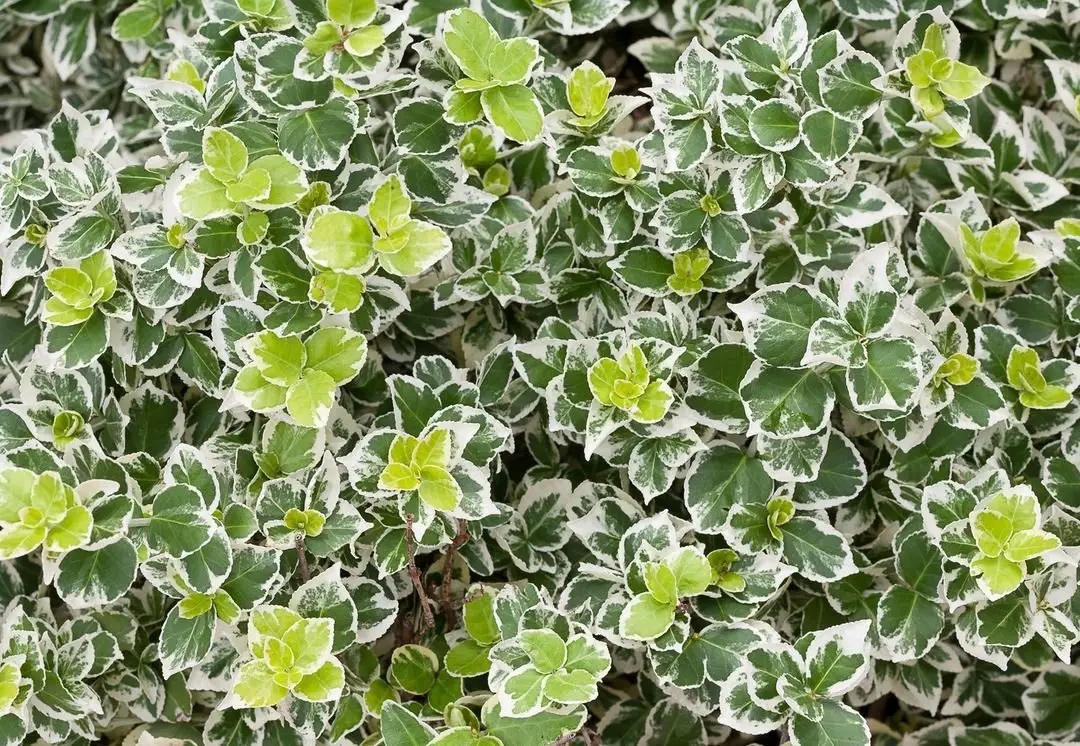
536, 372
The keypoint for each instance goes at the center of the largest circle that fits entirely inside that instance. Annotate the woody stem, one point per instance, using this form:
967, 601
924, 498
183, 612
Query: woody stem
301, 558
448, 572
414, 574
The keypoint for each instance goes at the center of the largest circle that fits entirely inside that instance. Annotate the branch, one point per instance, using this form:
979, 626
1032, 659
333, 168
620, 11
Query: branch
585, 732
448, 572
301, 556
414, 574
459, 603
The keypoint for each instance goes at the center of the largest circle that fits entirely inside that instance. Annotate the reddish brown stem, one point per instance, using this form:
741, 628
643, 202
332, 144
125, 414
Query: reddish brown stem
301, 558
585, 732
414, 575
448, 573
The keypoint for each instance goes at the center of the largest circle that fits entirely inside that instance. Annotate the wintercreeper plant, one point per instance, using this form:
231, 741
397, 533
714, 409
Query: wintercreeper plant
539, 372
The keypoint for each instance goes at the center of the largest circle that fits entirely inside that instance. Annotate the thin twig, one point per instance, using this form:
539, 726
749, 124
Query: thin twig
458, 603
448, 573
301, 555
585, 732
414, 574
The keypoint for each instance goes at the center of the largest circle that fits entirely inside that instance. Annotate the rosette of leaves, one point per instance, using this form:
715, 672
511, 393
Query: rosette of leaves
929, 89
534, 537
1025, 374
508, 271
637, 556
540, 665
884, 349
22, 184
993, 346
61, 664
617, 173
429, 475
991, 255
579, 108
223, 594
290, 512
772, 525
359, 44
81, 300
627, 389
493, 73
681, 574
702, 213
1006, 541
616, 191
774, 139
1008, 577
560, 369
60, 193
801, 685
934, 72
404, 246
542, 668
168, 268
422, 464
81, 529
684, 106
426, 465
301, 375
960, 394
1004, 530
291, 655
229, 182
40, 511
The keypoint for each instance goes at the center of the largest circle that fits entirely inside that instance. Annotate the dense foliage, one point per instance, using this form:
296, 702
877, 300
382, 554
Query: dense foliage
615, 372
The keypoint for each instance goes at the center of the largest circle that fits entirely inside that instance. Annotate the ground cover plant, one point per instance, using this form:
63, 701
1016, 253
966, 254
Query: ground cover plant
528, 372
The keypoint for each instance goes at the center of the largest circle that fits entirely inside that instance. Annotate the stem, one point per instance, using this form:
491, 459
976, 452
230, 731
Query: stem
459, 603
301, 556
448, 572
414, 574
12, 370
584, 731
255, 431
532, 23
